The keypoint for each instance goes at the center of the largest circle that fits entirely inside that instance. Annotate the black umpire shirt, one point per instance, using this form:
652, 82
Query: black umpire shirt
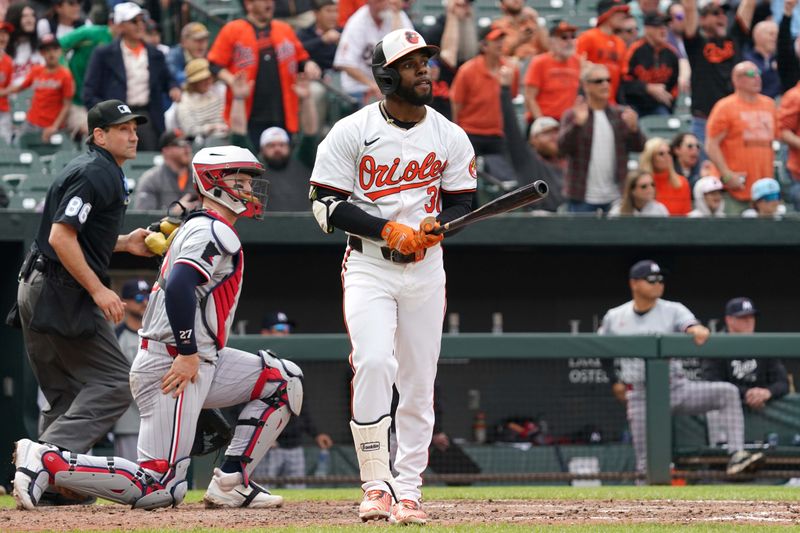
90, 195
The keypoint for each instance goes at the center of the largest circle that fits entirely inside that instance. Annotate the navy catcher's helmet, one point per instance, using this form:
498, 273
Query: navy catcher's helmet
395, 45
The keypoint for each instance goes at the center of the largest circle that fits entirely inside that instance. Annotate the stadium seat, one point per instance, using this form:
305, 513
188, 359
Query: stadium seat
144, 161
33, 141
18, 167
61, 158
665, 127
26, 201
20, 103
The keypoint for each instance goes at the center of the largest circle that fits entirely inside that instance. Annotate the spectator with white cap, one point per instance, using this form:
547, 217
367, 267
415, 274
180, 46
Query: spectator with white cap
133, 71
193, 45
766, 201
708, 201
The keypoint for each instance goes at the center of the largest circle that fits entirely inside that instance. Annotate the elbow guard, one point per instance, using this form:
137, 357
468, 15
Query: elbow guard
323, 208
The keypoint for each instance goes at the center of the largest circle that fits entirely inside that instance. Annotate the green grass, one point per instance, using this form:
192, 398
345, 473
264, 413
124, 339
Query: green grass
697, 492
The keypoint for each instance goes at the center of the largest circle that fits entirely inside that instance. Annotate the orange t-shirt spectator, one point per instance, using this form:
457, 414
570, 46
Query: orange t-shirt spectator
239, 48
475, 91
740, 131
53, 88
553, 79
602, 46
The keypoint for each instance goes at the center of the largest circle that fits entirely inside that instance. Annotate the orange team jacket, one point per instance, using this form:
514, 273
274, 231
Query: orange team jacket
236, 49
608, 50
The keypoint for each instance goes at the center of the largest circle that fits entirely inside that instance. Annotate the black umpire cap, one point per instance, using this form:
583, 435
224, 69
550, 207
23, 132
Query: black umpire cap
111, 113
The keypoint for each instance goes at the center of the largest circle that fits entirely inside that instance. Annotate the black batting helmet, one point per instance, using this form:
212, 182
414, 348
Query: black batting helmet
395, 45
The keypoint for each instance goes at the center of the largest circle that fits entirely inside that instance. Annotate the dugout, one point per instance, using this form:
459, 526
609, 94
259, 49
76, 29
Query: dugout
540, 273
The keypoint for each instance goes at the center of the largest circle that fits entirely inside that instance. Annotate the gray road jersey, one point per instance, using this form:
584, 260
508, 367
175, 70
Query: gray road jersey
664, 317
209, 246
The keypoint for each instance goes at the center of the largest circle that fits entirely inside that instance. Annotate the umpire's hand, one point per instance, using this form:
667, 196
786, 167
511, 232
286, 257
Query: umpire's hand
183, 370
110, 304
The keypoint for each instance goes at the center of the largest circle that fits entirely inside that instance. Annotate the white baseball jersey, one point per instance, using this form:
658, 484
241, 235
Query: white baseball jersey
210, 246
358, 40
393, 173
665, 317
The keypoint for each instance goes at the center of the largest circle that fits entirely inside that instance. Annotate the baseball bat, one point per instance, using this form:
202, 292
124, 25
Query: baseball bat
525, 195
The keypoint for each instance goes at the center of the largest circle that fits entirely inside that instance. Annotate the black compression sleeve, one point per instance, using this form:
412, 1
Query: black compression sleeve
455, 205
350, 218
181, 305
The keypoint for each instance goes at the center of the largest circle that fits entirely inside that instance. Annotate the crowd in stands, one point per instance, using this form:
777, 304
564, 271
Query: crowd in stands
539, 97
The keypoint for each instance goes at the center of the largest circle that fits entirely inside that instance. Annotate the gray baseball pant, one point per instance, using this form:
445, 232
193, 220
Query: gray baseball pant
85, 381
689, 398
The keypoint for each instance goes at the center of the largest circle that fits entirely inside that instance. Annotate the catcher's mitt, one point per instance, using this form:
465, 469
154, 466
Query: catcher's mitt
213, 432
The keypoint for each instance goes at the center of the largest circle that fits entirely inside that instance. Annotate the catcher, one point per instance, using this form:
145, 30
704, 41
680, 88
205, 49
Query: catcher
184, 366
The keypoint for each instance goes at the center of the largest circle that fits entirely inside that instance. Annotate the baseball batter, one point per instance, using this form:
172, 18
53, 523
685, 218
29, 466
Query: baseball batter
648, 314
381, 175
183, 366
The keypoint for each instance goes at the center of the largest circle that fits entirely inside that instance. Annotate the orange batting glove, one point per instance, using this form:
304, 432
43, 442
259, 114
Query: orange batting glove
424, 237
400, 237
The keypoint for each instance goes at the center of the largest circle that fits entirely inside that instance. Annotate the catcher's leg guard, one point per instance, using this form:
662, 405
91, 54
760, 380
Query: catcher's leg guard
263, 418
372, 449
152, 485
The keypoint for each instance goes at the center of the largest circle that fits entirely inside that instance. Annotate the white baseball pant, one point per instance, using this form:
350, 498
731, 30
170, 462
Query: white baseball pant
394, 315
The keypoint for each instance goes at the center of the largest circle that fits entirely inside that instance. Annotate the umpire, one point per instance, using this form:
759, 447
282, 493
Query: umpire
64, 300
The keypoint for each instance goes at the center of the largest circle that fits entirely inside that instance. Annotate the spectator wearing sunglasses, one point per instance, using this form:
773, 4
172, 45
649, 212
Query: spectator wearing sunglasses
676, 27
672, 189
739, 133
135, 294
713, 49
628, 30
597, 137
685, 150
650, 76
553, 78
639, 197
648, 314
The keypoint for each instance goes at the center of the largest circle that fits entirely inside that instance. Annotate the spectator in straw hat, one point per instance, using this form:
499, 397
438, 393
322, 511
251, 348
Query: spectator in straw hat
200, 111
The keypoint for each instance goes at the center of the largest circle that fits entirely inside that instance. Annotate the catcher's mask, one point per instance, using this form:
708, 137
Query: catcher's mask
212, 169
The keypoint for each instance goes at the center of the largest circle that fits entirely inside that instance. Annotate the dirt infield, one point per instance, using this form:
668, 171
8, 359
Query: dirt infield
451, 512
